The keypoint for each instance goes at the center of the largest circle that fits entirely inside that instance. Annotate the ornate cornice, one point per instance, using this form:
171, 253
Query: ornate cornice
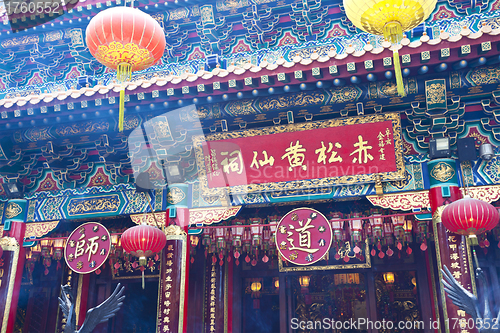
8, 241
490, 193
39, 229
420, 199
401, 201
149, 219
211, 215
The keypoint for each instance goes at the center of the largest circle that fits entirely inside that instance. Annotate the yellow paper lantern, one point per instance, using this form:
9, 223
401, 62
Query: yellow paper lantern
389, 277
256, 286
389, 18
304, 281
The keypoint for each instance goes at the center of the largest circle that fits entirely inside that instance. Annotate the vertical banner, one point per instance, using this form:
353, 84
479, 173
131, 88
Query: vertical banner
171, 291
8, 272
451, 249
214, 309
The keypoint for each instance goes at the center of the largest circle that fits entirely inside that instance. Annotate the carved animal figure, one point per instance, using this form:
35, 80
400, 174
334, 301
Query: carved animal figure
95, 316
466, 301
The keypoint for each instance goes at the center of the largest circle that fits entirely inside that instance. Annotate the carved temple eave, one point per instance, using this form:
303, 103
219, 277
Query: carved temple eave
420, 199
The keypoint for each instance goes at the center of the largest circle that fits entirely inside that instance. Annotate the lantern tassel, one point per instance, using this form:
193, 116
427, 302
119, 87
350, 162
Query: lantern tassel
399, 76
123, 74
121, 114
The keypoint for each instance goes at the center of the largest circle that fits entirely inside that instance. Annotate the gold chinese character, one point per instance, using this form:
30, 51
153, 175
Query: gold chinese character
454, 256
322, 153
380, 138
234, 163
456, 274
455, 265
168, 286
167, 294
362, 151
283, 229
382, 155
166, 328
453, 247
170, 255
167, 303
452, 239
259, 163
168, 279
169, 262
170, 248
461, 313
295, 156
166, 320
169, 270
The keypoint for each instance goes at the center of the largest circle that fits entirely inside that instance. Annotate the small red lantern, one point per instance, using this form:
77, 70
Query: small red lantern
143, 241
127, 40
469, 217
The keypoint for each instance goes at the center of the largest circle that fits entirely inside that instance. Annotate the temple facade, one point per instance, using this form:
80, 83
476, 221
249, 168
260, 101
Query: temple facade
298, 191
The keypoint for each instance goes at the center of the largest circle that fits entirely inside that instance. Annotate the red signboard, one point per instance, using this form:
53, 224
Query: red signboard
340, 151
303, 236
87, 248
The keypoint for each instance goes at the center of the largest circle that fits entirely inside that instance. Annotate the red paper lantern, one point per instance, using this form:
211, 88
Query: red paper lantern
127, 40
143, 241
469, 217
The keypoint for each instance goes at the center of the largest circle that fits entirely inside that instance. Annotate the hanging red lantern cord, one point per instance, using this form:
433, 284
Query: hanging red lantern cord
126, 40
143, 241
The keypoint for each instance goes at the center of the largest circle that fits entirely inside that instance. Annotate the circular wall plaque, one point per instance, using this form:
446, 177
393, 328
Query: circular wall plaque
303, 236
87, 248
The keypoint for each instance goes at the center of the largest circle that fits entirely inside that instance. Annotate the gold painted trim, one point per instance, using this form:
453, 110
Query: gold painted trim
436, 218
471, 267
367, 264
10, 244
199, 140
182, 291
158, 304
79, 296
434, 291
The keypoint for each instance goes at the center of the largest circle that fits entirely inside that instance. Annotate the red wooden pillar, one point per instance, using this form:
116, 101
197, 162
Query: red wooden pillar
13, 262
451, 249
174, 273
